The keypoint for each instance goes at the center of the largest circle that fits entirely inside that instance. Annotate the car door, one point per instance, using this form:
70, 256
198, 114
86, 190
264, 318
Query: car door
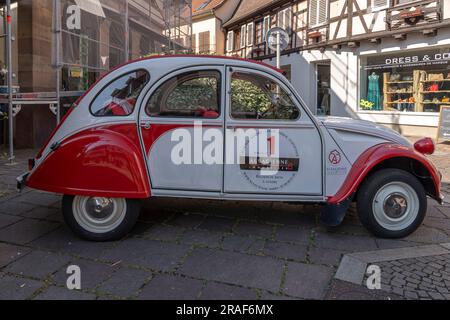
176, 112
275, 144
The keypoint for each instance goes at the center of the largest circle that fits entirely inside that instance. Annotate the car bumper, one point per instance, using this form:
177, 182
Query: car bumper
22, 181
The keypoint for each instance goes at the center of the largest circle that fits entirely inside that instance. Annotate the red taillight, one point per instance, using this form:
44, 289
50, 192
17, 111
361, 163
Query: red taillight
425, 146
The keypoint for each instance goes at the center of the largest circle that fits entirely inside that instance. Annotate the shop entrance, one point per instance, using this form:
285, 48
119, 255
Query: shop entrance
323, 77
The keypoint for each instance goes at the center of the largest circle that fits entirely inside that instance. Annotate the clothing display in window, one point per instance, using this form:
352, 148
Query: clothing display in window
373, 94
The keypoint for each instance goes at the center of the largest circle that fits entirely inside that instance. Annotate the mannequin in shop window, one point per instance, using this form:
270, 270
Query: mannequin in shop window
373, 94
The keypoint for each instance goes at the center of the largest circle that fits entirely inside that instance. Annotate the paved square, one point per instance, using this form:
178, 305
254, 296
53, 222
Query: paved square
200, 249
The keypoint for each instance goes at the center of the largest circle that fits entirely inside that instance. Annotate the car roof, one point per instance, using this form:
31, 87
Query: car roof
188, 59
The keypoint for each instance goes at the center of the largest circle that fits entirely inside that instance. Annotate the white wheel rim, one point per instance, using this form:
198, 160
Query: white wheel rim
97, 214
396, 206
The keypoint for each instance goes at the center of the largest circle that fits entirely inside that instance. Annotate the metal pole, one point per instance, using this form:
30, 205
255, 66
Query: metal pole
127, 33
10, 72
278, 49
57, 26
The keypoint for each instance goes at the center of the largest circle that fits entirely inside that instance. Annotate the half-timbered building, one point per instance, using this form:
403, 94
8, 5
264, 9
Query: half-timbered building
386, 61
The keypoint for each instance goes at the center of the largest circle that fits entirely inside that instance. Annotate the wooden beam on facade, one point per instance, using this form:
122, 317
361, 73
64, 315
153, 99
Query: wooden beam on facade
400, 36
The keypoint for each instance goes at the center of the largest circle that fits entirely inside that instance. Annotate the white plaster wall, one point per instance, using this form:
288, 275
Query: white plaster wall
446, 9
209, 24
343, 78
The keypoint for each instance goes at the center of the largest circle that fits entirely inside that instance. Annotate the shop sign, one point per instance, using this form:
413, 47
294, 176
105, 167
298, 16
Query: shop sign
427, 58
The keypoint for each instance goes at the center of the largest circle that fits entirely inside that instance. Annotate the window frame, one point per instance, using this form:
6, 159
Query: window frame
271, 78
111, 82
155, 89
317, 23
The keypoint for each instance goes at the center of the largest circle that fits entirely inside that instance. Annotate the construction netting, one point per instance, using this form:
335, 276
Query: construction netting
96, 35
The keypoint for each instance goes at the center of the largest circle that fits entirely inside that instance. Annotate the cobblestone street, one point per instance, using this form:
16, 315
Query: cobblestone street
199, 249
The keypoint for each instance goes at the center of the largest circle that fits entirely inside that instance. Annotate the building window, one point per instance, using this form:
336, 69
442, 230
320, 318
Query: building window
119, 97
318, 12
266, 27
191, 94
230, 41
259, 98
250, 33
242, 37
284, 18
411, 81
203, 42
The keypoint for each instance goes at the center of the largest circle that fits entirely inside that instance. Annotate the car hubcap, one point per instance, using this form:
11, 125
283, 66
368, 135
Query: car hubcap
97, 214
395, 206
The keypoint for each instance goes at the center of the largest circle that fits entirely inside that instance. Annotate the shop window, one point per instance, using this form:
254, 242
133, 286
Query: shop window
415, 81
192, 94
259, 98
318, 12
119, 97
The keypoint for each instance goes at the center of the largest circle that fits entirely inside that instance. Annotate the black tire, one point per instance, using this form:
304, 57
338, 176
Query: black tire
132, 213
368, 191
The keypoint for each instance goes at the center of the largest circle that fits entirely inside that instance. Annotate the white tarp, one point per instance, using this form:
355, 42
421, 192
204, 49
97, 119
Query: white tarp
91, 6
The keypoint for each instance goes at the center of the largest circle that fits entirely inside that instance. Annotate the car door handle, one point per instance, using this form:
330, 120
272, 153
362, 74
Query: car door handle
145, 125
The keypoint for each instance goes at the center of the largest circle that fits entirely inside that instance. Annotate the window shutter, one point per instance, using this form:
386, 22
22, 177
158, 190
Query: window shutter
266, 26
250, 33
380, 4
287, 18
230, 41
318, 12
322, 14
242, 38
206, 42
313, 12
194, 43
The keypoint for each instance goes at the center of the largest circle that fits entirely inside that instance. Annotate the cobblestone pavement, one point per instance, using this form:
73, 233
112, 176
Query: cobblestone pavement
417, 278
188, 249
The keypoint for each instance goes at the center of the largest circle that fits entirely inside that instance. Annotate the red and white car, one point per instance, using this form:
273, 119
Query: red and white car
121, 143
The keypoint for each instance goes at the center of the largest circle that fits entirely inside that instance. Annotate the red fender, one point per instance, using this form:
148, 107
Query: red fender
375, 155
103, 161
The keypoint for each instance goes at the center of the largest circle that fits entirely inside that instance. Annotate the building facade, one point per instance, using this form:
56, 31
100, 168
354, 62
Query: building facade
386, 61
61, 47
208, 16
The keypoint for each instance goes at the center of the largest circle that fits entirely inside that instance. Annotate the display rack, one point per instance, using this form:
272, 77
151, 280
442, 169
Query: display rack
415, 95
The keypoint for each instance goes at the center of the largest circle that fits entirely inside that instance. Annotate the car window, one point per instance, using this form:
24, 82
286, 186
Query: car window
119, 97
191, 94
256, 97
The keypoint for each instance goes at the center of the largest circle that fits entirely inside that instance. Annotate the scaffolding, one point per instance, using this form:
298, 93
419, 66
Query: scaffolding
89, 37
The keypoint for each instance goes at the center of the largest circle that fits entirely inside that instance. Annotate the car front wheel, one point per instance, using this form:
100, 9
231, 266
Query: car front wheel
392, 203
99, 218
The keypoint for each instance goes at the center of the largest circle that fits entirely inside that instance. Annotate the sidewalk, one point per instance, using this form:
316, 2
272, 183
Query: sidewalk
192, 249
